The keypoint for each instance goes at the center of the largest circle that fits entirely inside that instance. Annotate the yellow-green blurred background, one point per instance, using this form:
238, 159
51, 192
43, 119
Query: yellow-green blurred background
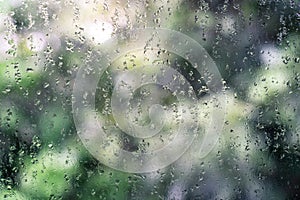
256, 47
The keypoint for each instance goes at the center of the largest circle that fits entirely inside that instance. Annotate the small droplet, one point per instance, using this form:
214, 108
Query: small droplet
46, 85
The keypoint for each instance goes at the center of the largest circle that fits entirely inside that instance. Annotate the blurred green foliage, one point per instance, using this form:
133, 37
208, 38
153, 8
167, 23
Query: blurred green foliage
256, 46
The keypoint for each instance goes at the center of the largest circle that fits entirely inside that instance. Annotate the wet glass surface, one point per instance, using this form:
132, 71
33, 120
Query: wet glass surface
149, 99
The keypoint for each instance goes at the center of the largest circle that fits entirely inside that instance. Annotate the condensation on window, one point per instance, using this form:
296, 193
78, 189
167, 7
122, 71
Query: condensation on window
149, 99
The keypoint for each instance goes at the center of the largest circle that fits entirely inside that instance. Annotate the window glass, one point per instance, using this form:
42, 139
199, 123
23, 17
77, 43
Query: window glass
149, 99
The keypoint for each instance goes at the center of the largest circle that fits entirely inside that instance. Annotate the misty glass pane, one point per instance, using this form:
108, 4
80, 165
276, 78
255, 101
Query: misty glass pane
149, 99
